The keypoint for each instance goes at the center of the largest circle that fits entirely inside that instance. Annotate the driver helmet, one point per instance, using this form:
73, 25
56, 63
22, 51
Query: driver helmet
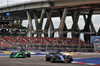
57, 52
25, 49
20, 50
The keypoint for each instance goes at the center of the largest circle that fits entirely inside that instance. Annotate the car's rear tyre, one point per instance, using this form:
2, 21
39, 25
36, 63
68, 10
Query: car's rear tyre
70, 59
28, 55
52, 59
48, 57
11, 55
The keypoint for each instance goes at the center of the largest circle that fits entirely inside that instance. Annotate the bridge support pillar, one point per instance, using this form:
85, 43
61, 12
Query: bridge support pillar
49, 13
61, 26
51, 29
87, 26
65, 27
42, 18
91, 28
30, 29
64, 31
36, 21
75, 28
39, 24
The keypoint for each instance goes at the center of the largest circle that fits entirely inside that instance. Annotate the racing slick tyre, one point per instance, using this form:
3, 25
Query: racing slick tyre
28, 55
11, 55
52, 59
70, 59
23, 54
48, 57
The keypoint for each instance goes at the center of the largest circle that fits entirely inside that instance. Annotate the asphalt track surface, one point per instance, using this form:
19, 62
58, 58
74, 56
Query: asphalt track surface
39, 61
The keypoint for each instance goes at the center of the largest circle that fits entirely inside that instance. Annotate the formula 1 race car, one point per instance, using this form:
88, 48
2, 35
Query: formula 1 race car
58, 57
21, 54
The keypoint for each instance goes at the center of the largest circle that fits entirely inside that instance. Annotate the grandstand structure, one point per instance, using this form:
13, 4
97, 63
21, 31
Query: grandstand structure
54, 8
14, 42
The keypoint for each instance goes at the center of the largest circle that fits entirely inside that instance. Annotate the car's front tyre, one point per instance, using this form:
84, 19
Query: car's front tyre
70, 59
28, 54
11, 55
48, 57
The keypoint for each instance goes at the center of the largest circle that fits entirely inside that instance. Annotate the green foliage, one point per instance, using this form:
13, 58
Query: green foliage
18, 30
20, 27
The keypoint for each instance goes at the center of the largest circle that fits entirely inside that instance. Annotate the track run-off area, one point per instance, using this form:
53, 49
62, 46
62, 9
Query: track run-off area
38, 59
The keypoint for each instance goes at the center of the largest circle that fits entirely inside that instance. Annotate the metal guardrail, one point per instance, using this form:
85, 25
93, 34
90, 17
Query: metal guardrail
46, 31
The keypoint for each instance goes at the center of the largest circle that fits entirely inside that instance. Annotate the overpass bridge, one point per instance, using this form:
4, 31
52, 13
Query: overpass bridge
40, 9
